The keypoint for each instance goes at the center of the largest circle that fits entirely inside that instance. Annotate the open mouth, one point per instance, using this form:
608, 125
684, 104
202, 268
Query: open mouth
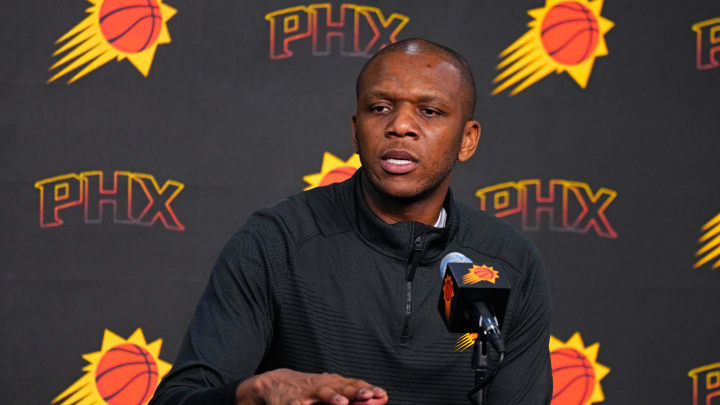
398, 161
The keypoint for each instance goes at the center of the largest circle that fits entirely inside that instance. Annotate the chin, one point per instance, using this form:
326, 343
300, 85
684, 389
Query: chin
406, 188
399, 191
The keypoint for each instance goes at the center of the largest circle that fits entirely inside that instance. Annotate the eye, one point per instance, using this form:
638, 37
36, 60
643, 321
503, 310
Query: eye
430, 112
379, 108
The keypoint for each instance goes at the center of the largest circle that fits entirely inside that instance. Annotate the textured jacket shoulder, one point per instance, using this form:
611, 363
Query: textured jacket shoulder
318, 211
493, 237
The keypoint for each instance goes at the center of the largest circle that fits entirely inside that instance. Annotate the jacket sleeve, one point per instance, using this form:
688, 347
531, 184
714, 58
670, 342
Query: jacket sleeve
525, 376
232, 325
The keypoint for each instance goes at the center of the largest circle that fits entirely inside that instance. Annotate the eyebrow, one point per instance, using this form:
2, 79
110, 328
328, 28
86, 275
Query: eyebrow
422, 98
378, 94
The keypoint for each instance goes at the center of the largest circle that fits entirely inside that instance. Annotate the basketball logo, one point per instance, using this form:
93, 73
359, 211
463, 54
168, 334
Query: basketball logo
569, 33
573, 377
333, 170
123, 372
113, 29
576, 374
337, 175
130, 25
477, 274
565, 36
126, 374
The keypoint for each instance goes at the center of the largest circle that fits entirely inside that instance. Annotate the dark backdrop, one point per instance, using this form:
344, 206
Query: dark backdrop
236, 129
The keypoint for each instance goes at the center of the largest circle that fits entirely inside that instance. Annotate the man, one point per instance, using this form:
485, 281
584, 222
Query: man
331, 294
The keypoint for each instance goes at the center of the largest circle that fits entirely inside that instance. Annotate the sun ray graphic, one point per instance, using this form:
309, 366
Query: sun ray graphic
564, 36
108, 32
576, 372
711, 240
333, 170
465, 341
114, 375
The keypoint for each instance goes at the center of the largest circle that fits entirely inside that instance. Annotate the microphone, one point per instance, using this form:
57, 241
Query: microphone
473, 298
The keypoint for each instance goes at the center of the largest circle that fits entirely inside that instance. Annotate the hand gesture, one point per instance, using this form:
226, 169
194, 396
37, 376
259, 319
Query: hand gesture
288, 387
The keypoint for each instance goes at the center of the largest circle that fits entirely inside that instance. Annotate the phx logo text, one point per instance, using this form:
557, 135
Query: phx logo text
708, 43
356, 30
706, 384
569, 206
134, 198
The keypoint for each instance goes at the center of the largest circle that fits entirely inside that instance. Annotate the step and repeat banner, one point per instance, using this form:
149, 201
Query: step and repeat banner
139, 135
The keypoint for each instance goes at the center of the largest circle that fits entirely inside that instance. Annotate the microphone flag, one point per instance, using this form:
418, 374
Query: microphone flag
464, 283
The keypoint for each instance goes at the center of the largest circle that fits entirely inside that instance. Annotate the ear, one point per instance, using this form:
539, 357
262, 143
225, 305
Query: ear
354, 134
470, 137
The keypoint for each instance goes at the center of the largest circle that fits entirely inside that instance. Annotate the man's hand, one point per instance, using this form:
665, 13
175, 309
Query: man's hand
288, 387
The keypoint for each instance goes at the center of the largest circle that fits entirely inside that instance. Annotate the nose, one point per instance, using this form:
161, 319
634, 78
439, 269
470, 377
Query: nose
403, 122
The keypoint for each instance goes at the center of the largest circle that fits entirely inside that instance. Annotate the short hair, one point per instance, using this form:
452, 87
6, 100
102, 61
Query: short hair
423, 46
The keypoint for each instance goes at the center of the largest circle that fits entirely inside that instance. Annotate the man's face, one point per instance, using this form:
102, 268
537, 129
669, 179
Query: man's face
409, 123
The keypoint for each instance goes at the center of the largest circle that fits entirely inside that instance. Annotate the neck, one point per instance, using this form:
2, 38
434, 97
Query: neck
392, 210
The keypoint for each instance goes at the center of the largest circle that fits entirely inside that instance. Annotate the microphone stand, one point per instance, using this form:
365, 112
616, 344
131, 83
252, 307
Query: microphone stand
479, 362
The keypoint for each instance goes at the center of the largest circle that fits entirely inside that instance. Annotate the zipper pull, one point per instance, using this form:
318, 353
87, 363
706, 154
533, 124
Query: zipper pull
414, 258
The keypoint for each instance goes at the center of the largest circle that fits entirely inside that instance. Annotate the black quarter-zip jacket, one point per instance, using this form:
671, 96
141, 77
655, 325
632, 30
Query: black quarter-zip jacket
318, 283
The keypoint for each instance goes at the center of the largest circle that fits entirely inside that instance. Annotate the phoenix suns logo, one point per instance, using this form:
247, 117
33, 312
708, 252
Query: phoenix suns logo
114, 29
710, 241
122, 372
565, 36
333, 170
448, 294
576, 372
477, 274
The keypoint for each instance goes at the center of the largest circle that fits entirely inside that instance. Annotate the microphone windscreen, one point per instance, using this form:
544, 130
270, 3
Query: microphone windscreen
452, 257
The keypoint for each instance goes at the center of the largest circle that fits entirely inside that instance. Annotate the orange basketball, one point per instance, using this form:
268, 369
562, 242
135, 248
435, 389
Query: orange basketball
573, 377
126, 375
569, 33
130, 25
484, 273
337, 175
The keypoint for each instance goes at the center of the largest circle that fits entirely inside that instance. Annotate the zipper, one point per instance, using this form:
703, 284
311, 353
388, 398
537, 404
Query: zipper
412, 267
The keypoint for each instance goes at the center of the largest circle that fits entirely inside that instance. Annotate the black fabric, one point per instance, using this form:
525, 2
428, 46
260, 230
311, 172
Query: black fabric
318, 283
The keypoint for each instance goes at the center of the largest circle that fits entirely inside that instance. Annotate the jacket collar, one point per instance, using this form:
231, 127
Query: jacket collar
397, 240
